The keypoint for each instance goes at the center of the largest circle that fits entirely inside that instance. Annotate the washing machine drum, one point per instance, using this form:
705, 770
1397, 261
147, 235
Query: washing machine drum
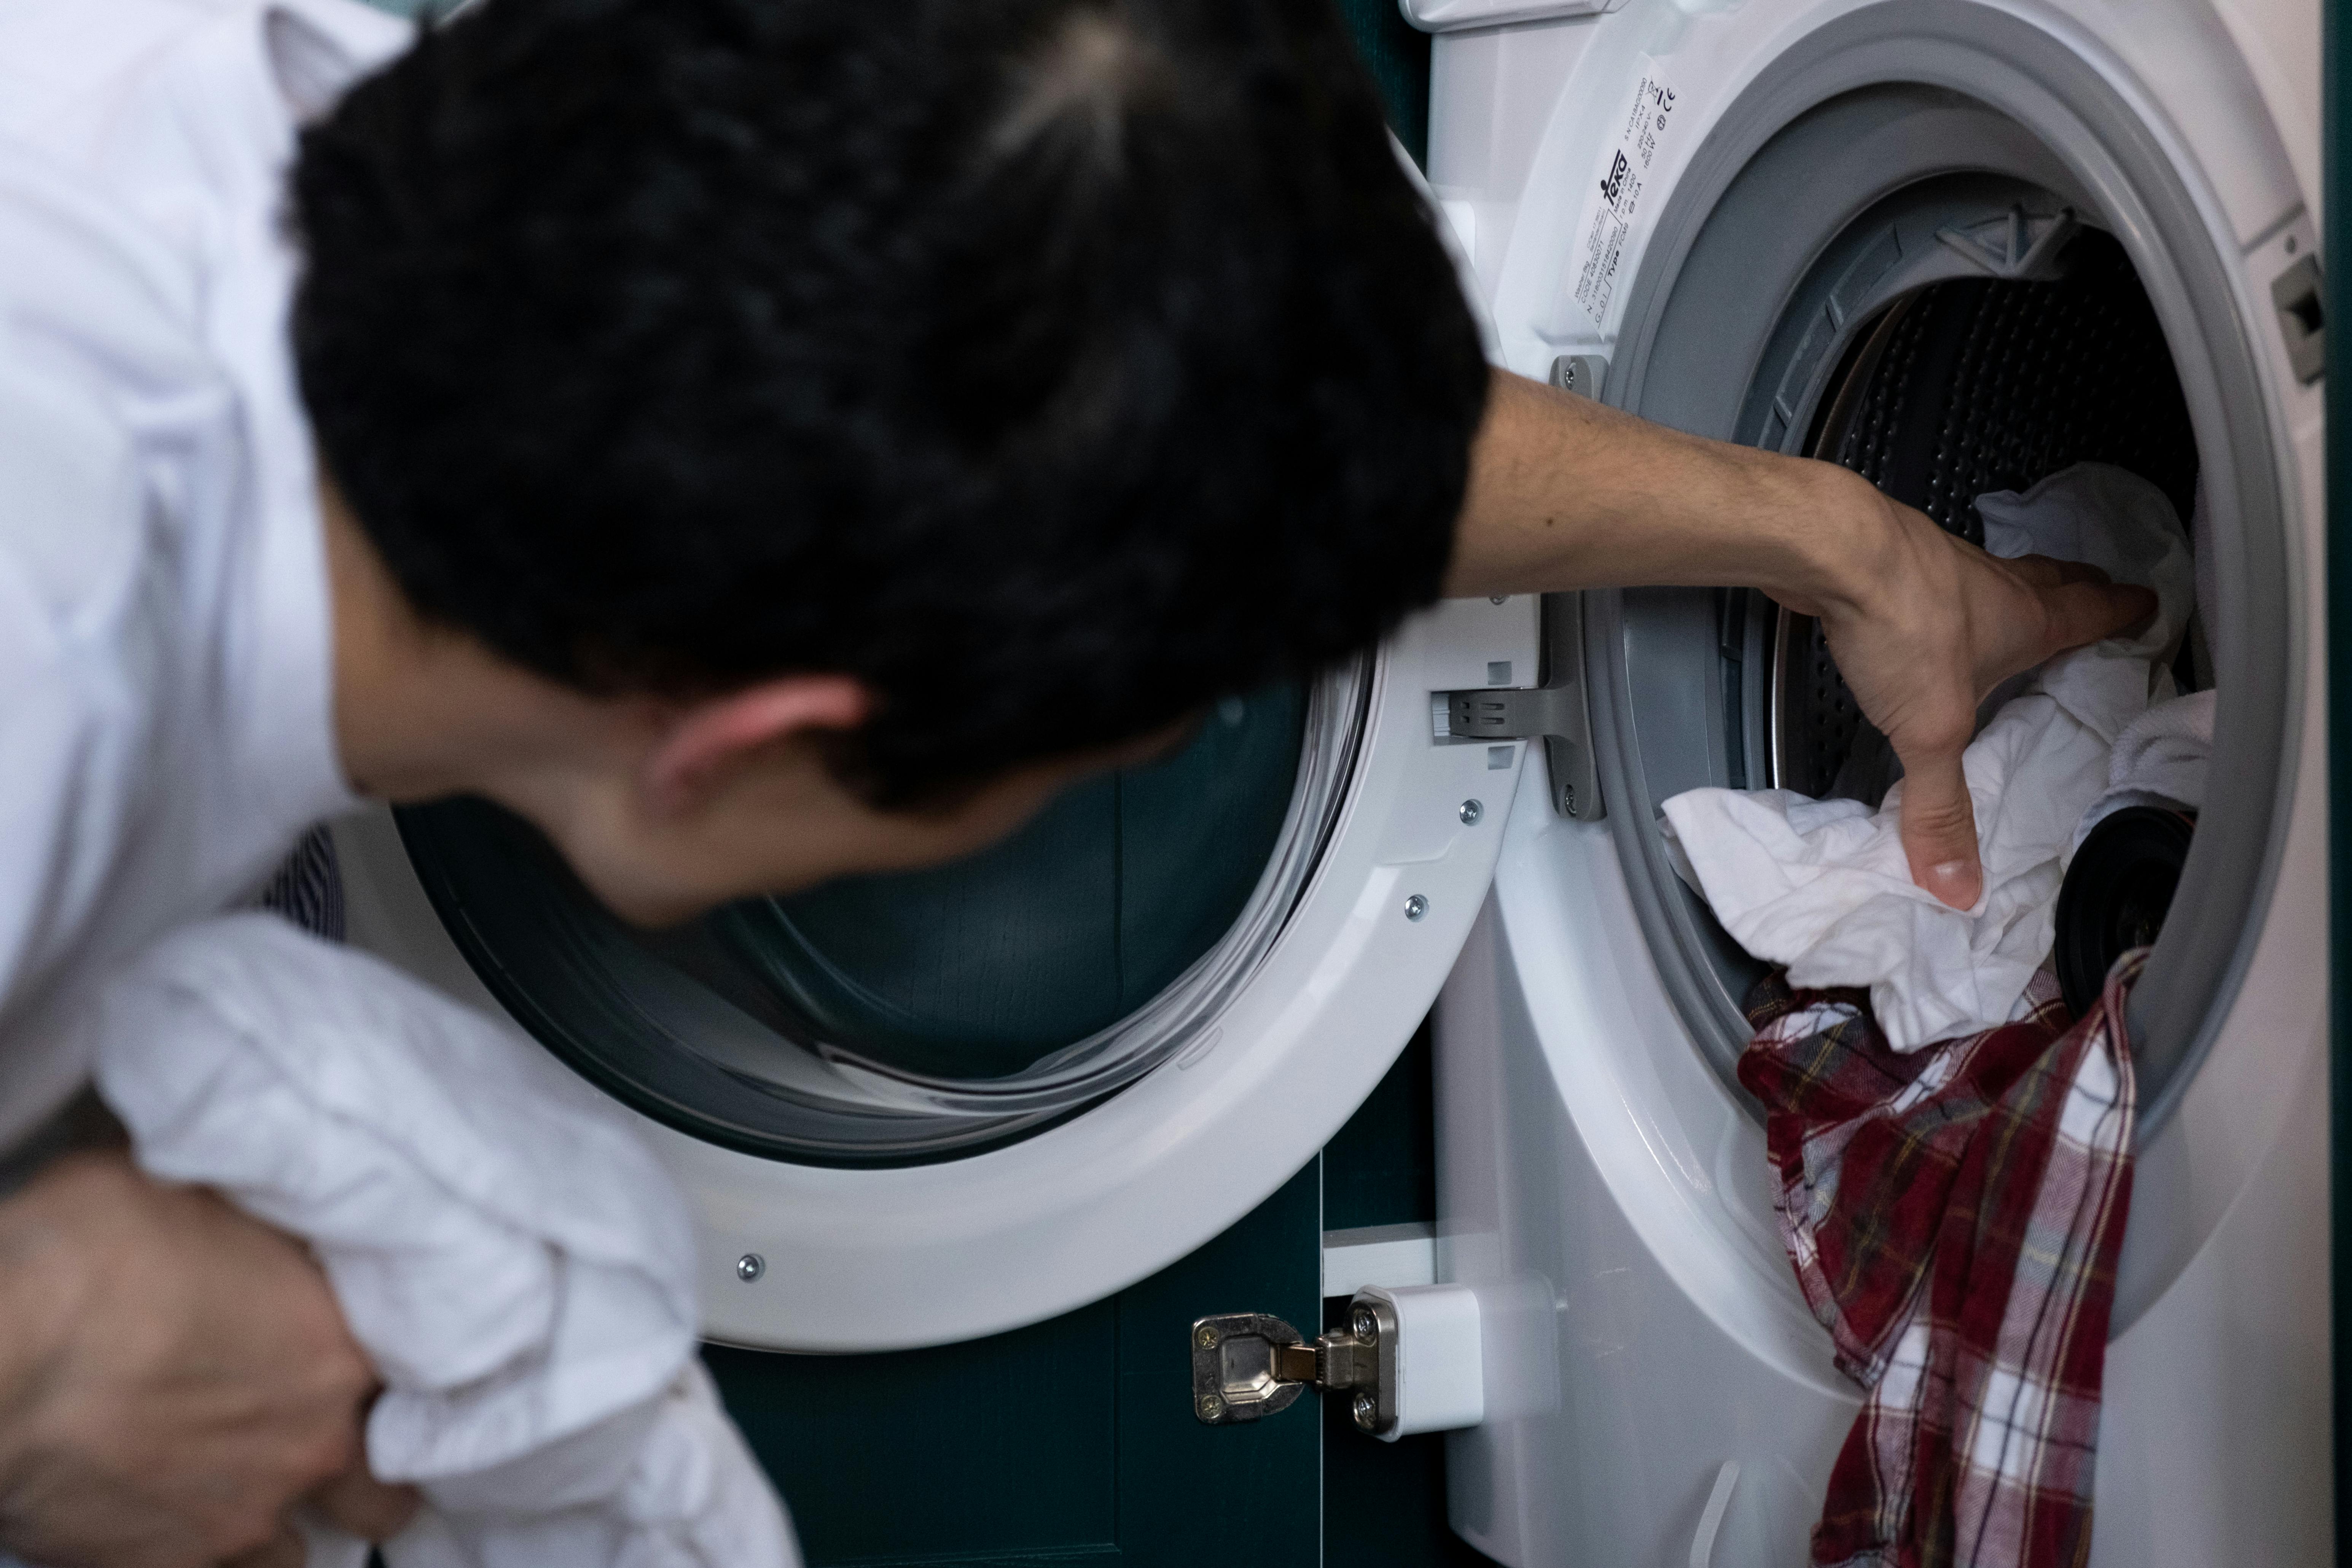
902, 1018
1898, 281
1961, 389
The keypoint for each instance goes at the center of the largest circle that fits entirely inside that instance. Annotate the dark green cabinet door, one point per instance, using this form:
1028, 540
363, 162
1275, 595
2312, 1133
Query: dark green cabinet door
1074, 1442
1070, 1442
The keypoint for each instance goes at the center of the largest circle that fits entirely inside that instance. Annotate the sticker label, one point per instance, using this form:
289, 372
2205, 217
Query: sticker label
1616, 193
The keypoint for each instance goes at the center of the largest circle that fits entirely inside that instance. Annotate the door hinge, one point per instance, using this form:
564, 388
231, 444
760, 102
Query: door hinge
1555, 711
1246, 1365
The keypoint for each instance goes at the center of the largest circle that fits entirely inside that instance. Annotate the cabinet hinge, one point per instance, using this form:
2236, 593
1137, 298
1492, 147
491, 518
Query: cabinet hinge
1246, 1365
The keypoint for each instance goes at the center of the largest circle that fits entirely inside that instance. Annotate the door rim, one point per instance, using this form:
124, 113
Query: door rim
883, 1258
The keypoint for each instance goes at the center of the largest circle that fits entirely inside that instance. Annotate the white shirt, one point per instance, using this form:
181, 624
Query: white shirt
518, 1267
165, 647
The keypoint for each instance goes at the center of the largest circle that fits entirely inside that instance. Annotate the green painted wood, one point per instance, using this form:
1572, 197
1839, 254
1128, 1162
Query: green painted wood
2337, 62
1381, 1167
1384, 1503
1398, 58
1071, 1441
1009, 1443
1237, 1496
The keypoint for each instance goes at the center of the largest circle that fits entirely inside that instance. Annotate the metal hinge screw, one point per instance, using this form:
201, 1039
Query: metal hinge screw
1416, 907
749, 1266
1472, 810
1207, 1338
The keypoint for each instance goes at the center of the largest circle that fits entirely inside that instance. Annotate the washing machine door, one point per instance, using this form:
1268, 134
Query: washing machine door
922, 1107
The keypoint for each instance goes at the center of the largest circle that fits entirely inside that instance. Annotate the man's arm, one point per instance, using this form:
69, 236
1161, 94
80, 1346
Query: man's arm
1569, 493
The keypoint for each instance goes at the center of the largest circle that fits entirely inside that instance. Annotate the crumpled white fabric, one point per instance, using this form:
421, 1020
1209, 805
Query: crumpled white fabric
1823, 887
515, 1261
2159, 760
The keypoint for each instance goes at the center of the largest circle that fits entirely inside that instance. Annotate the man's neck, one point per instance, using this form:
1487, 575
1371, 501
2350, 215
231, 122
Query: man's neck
423, 710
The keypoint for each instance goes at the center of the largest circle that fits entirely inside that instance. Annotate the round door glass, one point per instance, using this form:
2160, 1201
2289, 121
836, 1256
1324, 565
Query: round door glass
980, 969
926, 1014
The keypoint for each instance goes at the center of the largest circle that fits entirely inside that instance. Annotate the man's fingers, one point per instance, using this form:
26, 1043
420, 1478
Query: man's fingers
2048, 571
358, 1504
1939, 828
284, 1550
2084, 607
2084, 613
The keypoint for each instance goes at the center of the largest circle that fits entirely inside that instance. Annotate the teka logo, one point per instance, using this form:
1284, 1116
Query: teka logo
1615, 182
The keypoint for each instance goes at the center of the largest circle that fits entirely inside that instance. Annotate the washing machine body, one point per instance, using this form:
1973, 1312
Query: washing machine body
1957, 246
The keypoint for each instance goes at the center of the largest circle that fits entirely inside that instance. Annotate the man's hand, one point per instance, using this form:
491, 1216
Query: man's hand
1924, 626
1569, 493
175, 1378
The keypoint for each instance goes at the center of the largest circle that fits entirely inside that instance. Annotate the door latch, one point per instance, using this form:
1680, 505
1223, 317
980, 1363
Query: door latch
2297, 295
1554, 711
1246, 1365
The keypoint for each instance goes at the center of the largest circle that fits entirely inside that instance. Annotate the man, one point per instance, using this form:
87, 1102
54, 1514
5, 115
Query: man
754, 440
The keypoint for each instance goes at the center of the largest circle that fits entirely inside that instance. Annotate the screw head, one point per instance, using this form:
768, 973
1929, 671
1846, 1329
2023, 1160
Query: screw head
1416, 907
1364, 1408
749, 1266
1567, 799
1206, 1337
1212, 1407
1472, 810
1364, 1324
1501, 598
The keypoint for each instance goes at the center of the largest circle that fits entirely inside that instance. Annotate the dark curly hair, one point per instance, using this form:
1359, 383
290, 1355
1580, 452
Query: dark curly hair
1051, 365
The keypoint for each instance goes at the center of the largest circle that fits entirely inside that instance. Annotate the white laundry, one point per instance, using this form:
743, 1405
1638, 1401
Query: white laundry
1823, 887
518, 1265
2159, 760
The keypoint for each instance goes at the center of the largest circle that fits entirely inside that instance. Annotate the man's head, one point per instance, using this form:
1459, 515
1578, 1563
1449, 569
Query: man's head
1035, 370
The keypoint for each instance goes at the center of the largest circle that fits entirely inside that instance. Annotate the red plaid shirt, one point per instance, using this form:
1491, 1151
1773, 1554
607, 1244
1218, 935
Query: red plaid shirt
1954, 1217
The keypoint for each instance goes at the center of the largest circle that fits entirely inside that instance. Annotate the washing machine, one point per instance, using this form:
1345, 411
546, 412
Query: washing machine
1954, 244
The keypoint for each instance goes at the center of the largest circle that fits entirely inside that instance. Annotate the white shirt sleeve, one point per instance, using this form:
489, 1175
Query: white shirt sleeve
114, 430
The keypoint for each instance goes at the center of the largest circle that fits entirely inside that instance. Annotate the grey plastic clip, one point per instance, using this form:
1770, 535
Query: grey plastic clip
1554, 711
2296, 294
1580, 373
2020, 245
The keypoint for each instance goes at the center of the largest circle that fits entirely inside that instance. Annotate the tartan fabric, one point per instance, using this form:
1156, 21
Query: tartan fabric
1953, 1216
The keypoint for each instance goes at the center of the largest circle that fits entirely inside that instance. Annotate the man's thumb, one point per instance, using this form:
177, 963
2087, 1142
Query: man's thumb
358, 1504
1940, 829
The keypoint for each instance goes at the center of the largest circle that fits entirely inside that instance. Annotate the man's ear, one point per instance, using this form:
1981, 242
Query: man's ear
702, 742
